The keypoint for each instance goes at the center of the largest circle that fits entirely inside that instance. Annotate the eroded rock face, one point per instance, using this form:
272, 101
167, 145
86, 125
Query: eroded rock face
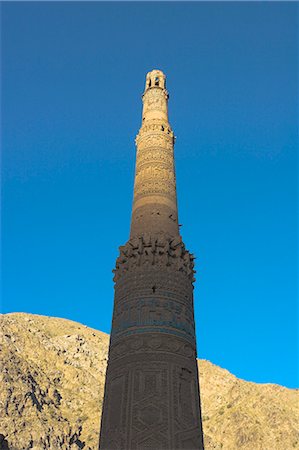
52, 383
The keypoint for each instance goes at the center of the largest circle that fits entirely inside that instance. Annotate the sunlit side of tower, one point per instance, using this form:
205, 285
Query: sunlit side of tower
151, 399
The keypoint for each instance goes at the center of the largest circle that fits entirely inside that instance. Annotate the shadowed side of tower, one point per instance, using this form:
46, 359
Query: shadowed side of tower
151, 399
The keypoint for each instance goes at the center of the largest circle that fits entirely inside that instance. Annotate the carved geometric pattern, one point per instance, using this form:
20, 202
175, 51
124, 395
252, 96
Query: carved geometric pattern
153, 312
150, 443
159, 139
155, 179
115, 401
187, 396
151, 157
144, 405
152, 343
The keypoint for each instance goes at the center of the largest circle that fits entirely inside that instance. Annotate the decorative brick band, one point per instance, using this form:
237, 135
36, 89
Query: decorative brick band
155, 250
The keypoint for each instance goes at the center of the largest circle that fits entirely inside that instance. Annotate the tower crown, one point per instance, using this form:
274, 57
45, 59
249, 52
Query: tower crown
155, 97
155, 78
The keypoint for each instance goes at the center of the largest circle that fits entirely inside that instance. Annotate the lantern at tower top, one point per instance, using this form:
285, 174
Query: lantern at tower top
155, 78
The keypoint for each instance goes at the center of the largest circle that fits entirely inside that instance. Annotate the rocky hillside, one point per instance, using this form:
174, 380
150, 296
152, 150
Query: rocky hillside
52, 381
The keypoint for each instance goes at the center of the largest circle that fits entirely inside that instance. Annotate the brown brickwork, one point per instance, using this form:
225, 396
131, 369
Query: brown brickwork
152, 399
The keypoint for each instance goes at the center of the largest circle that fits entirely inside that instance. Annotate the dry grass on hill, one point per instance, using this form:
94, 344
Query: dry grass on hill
52, 382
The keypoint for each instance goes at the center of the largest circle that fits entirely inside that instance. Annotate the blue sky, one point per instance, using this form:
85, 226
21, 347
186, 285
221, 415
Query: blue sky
72, 79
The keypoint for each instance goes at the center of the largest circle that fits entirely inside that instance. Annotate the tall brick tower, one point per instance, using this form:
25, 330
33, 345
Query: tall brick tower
151, 399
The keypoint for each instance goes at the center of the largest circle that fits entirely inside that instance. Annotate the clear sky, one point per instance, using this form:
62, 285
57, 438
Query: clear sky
72, 79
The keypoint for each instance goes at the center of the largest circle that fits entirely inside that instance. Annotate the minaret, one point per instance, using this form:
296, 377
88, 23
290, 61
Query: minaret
151, 399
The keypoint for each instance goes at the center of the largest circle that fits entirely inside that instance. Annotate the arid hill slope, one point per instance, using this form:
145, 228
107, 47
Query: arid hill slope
52, 381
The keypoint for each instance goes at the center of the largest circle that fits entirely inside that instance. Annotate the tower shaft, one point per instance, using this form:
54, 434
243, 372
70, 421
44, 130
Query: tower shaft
151, 399
155, 203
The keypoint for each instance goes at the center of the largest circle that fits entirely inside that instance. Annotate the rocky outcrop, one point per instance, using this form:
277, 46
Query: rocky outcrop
52, 383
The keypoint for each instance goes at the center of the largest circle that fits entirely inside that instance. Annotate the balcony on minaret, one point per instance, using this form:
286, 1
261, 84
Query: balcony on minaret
155, 78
